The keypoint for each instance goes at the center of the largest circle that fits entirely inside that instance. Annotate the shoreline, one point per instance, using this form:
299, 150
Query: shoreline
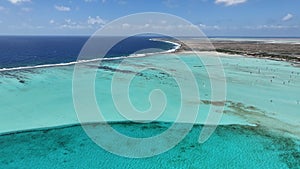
287, 52
191, 45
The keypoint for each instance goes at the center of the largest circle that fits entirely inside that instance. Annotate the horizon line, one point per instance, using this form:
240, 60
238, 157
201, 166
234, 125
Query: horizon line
88, 35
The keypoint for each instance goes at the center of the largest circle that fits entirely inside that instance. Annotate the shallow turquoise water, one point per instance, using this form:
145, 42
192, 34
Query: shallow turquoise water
259, 92
230, 146
45, 97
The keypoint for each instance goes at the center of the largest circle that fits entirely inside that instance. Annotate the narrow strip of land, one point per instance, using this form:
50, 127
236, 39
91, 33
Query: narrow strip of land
277, 51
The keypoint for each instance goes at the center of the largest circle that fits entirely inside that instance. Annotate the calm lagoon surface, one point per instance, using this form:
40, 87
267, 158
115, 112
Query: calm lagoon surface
259, 127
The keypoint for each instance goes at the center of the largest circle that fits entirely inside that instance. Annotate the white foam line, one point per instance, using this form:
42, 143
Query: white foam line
177, 46
58, 64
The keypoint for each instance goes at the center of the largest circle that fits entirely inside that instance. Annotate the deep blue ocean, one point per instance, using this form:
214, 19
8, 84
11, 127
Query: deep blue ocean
19, 51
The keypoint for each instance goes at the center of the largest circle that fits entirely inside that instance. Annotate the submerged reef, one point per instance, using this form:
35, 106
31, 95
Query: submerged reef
233, 146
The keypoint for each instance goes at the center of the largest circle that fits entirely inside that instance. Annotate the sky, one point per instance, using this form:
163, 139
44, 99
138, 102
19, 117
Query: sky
280, 18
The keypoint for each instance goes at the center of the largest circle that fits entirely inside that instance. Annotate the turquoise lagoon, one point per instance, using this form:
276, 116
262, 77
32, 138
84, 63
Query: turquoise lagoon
259, 127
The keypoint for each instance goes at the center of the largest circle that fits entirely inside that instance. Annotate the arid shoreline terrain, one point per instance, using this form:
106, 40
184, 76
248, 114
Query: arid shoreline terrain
275, 51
